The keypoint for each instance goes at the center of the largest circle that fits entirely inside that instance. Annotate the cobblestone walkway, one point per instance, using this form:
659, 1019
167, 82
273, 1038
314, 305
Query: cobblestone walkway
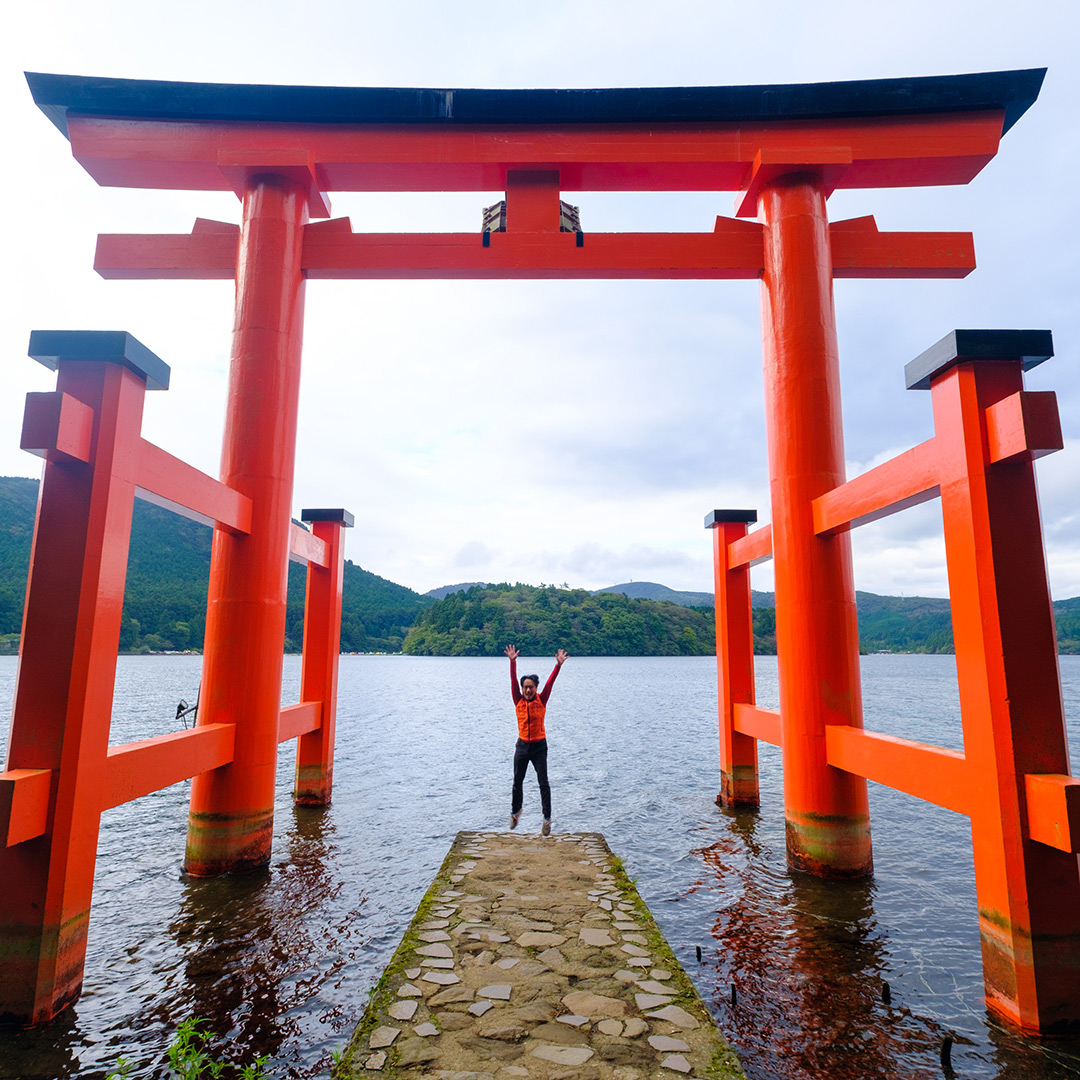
533, 957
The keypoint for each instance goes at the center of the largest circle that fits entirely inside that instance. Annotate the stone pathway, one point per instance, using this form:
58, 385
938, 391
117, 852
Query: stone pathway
533, 957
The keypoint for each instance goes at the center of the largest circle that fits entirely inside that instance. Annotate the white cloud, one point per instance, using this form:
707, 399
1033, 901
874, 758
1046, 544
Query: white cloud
474, 554
581, 429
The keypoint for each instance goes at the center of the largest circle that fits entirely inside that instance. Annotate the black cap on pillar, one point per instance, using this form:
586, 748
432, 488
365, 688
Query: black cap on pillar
726, 517
1030, 347
50, 347
338, 515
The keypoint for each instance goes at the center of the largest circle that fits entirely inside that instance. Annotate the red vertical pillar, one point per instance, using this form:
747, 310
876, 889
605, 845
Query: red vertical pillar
322, 648
734, 659
1010, 689
232, 808
817, 643
89, 434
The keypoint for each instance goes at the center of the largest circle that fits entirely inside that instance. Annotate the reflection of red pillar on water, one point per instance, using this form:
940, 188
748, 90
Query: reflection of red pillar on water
817, 643
232, 808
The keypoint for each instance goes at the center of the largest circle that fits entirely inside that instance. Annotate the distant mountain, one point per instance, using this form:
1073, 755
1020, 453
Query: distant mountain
920, 624
445, 590
650, 590
169, 566
904, 623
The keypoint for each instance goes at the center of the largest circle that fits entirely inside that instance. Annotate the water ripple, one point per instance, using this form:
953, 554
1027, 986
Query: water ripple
280, 960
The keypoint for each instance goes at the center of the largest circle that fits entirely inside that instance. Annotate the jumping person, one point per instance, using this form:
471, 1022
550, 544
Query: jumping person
532, 740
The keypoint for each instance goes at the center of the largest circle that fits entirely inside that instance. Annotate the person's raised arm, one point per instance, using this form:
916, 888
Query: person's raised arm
560, 658
515, 692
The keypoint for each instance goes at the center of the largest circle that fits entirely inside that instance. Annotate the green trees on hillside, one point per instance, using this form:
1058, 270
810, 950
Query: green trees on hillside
167, 576
169, 567
483, 620
18, 501
375, 613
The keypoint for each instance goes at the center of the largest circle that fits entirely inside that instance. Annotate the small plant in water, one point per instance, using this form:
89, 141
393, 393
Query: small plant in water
189, 1058
123, 1068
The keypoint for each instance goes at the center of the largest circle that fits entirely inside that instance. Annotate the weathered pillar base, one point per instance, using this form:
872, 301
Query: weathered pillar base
41, 968
227, 843
829, 846
739, 787
314, 785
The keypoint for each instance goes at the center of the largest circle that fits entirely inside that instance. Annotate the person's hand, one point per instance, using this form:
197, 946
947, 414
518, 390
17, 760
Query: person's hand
561, 657
512, 652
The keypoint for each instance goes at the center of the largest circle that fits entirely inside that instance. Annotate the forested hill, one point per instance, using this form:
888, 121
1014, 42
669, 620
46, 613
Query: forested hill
168, 572
650, 590
169, 566
481, 620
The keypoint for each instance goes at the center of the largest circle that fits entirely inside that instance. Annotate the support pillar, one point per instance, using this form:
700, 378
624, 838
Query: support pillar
322, 648
232, 808
1010, 689
89, 433
734, 659
817, 643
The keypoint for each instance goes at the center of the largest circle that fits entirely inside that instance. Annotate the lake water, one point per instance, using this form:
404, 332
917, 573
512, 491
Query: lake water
281, 960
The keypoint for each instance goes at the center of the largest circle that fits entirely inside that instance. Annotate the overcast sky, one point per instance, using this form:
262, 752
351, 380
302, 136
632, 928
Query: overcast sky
555, 431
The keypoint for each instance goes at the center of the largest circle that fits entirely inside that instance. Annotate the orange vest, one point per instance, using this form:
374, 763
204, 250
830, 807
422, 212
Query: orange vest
530, 716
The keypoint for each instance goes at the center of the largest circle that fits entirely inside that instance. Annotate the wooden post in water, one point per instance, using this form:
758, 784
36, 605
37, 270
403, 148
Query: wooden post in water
817, 635
232, 808
1025, 808
734, 659
56, 782
322, 647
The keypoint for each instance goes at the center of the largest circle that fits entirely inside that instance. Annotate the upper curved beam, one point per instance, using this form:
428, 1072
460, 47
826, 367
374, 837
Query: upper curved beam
1012, 92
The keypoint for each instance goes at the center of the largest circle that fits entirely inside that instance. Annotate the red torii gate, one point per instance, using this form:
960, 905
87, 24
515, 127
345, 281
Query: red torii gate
784, 149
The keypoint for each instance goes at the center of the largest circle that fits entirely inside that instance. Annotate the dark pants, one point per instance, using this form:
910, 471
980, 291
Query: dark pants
536, 752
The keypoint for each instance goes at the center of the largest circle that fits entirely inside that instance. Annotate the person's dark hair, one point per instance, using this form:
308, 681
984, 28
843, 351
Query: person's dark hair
535, 679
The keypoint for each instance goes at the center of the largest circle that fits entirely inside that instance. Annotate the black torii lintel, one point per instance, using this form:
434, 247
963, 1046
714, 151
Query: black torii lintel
151, 99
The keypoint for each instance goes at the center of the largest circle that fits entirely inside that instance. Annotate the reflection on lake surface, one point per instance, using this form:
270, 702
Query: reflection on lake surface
280, 961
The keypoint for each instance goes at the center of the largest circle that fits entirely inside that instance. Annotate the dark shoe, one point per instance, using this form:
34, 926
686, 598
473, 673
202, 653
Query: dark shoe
545, 829
514, 819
